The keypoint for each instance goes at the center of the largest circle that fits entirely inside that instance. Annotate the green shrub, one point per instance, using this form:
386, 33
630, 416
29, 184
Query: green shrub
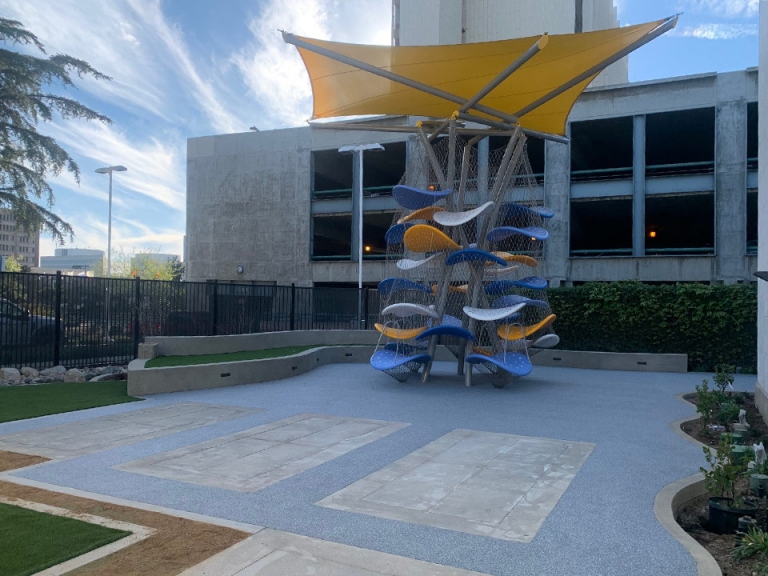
723, 376
706, 402
728, 414
712, 324
753, 543
721, 477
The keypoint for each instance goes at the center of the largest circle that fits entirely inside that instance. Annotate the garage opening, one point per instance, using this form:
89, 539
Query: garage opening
681, 142
601, 149
601, 227
331, 237
680, 224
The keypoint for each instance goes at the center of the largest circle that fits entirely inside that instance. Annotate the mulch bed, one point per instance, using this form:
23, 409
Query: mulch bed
693, 516
13, 460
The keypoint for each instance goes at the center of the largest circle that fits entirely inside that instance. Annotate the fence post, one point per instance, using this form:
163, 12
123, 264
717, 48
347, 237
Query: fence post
136, 316
365, 307
215, 314
57, 323
293, 306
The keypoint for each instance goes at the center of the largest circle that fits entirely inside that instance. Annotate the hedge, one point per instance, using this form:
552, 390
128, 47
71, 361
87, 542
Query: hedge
712, 324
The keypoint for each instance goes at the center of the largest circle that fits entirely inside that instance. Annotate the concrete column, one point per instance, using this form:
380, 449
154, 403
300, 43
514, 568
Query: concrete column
557, 196
761, 388
730, 182
355, 205
638, 185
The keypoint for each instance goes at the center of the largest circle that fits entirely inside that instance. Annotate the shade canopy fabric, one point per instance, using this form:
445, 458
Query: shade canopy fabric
341, 89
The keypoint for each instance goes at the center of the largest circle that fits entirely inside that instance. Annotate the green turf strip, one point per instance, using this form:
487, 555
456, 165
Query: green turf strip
32, 541
19, 402
162, 361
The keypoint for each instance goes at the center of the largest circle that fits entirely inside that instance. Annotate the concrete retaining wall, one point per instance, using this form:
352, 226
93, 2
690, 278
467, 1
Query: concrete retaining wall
612, 361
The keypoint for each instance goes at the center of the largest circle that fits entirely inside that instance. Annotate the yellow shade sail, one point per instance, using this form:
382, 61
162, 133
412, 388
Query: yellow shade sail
342, 89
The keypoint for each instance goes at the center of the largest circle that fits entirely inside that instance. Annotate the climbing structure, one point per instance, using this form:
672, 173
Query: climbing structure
465, 250
465, 262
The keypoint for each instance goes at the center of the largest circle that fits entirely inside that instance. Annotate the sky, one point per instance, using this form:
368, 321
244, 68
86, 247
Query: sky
188, 68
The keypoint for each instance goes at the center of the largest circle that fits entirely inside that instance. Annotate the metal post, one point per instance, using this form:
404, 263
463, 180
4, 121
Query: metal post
293, 307
136, 316
109, 233
360, 240
215, 306
57, 323
365, 307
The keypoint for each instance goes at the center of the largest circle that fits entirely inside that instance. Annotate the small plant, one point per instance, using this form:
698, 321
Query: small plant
706, 403
728, 414
723, 377
723, 473
753, 543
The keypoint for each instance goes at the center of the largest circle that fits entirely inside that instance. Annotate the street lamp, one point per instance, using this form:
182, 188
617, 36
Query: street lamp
357, 151
109, 170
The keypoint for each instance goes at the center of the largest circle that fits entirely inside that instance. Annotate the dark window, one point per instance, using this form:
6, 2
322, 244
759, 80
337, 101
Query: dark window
680, 223
752, 136
752, 221
331, 172
601, 227
375, 226
601, 149
383, 170
680, 142
332, 237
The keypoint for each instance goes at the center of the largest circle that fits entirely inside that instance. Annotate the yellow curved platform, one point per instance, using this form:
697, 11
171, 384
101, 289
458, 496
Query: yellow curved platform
519, 258
462, 289
483, 351
424, 238
398, 334
516, 332
421, 214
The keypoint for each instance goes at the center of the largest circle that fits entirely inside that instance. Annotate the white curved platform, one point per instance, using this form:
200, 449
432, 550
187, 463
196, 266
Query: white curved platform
459, 218
491, 314
408, 264
405, 309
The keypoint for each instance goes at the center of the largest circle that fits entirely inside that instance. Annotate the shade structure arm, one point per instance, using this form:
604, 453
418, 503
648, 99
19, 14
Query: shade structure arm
501, 126
291, 39
667, 25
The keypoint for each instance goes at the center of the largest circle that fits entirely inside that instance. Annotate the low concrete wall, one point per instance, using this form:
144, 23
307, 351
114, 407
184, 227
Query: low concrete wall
612, 361
194, 345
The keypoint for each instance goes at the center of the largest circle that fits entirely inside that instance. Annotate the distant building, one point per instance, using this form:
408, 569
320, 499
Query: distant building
432, 22
74, 259
16, 242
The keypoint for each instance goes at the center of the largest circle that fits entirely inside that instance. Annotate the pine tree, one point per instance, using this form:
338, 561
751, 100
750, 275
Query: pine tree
28, 158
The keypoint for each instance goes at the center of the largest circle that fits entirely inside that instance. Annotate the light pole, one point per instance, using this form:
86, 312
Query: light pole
357, 151
109, 170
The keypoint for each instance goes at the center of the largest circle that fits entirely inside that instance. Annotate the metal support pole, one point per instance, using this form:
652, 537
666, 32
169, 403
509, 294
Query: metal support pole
365, 308
359, 154
136, 316
215, 314
57, 322
433, 158
293, 307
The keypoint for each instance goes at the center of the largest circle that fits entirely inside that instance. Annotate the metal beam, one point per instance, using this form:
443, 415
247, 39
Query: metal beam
670, 23
291, 39
502, 126
509, 131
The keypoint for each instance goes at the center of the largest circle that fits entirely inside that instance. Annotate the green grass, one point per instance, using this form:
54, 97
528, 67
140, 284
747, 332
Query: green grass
32, 541
162, 361
20, 402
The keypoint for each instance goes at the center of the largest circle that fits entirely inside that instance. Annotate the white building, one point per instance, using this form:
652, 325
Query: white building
74, 259
431, 22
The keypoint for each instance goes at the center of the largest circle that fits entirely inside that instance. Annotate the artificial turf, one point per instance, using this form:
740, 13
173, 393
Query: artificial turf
20, 402
162, 361
32, 541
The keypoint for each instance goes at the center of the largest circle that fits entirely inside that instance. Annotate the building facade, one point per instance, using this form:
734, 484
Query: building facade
431, 22
658, 184
74, 259
16, 242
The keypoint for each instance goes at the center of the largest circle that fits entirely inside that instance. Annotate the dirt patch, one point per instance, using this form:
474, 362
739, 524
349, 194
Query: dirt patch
693, 516
14, 460
758, 430
178, 544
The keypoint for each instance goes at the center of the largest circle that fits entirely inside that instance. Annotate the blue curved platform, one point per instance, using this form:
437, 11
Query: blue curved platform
511, 362
396, 233
504, 232
513, 299
501, 286
388, 360
446, 330
415, 198
512, 209
473, 255
391, 285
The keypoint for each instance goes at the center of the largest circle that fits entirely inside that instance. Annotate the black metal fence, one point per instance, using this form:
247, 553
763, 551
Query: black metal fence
47, 320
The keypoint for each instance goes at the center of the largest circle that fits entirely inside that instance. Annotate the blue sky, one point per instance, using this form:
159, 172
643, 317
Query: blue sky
185, 68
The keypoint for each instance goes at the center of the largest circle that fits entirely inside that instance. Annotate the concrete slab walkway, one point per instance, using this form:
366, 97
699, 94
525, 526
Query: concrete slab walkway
556, 474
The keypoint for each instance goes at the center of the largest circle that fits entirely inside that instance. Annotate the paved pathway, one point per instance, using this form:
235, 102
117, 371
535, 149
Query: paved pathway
555, 474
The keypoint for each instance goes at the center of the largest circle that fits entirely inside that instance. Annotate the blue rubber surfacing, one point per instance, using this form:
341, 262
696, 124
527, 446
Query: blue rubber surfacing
603, 524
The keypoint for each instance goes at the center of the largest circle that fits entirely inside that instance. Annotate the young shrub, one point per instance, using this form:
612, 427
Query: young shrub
723, 377
728, 414
753, 543
722, 475
706, 403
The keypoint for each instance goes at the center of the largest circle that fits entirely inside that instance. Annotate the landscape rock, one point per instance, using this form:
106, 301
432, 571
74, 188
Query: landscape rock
11, 374
74, 375
29, 372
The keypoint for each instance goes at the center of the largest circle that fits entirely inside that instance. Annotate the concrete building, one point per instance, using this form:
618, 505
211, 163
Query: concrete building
431, 22
16, 242
658, 184
761, 388
74, 259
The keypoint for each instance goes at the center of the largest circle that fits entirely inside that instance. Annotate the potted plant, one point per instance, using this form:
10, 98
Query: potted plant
725, 509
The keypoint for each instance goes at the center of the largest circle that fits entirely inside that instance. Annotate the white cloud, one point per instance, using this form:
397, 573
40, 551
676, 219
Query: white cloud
718, 31
723, 8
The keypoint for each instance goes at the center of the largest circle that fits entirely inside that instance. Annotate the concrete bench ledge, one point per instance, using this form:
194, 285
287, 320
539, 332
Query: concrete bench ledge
638, 362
